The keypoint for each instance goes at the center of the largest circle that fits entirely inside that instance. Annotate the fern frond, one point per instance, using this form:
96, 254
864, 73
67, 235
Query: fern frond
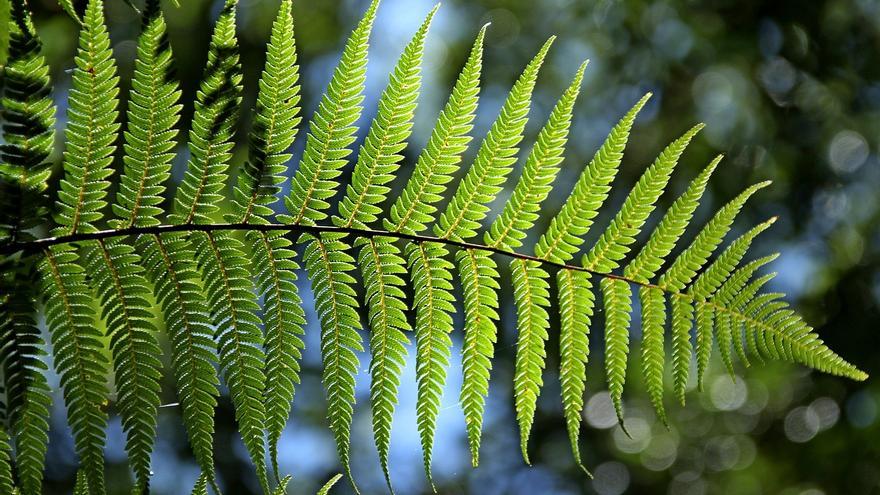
705, 323
542, 165
670, 229
415, 207
26, 389
718, 272
91, 130
462, 217
576, 302
150, 139
532, 296
682, 315
284, 320
613, 246
705, 286
432, 284
178, 291
745, 296
379, 156
479, 281
380, 260
653, 325
494, 161
122, 289
228, 285
28, 114
685, 267
81, 486
276, 124
614, 243
730, 333
210, 139
78, 355
566, 232
223, 264
382, 267
616, 296
281, 489
331, 130
329, 267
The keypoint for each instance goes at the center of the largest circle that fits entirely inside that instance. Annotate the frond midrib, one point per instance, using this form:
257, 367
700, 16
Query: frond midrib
372, 233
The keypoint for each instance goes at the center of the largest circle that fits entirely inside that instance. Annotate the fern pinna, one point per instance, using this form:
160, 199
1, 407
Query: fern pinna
229, 303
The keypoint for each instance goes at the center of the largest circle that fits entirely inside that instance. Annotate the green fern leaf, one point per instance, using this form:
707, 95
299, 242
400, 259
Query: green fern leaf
281, 489
71, 10
532, 296
685, 267
91, 130
28, 129
276, 123
26, 389
380, 260
705, 321
724, 339
746, 295
381, 268
566, 232
224, 266
520, 213
462, 217
430, 272
193, 350
78, 355
682, 315
718, 272
670, 229
210, 140
122, 289
653, 323
576, 302
284, 320
230, 292
415, 207
730, 334
494, 161
329, 267
150, 139
614, 243
117, 276
432, 284
379, 156
479, 281
28, 114
332, 130
616, 296
705, 286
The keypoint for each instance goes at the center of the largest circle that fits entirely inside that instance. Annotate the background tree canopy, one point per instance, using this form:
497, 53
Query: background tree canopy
790, 91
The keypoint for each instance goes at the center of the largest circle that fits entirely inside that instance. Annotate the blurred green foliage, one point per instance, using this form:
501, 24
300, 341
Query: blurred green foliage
790, 91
